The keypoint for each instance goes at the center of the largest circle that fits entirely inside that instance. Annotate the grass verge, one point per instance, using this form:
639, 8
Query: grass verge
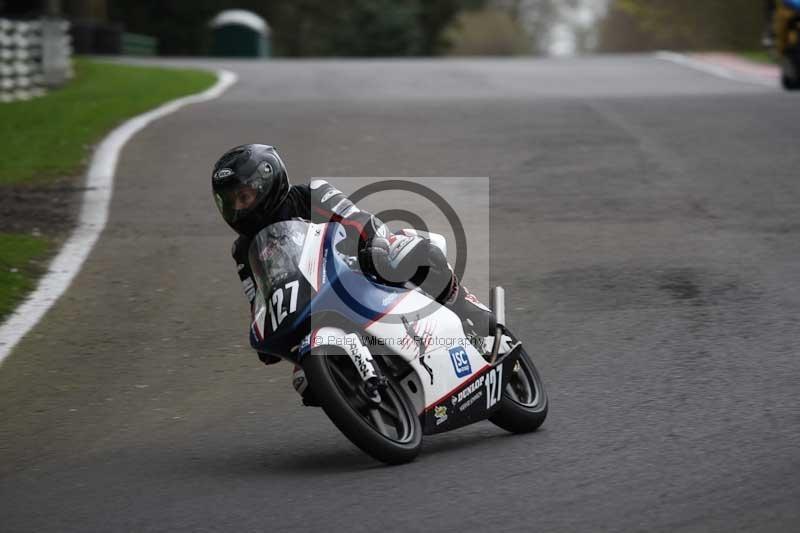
19, 267
758, 56
48, 139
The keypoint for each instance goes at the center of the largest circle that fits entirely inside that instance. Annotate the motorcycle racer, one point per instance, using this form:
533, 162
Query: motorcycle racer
251, 190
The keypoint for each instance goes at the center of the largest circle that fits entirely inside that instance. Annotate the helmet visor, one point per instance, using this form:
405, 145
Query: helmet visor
237, 200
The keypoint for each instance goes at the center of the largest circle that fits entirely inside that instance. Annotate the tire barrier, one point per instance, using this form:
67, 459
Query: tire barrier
34, 56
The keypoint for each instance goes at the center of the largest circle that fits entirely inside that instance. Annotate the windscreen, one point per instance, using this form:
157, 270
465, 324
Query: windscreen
275, 254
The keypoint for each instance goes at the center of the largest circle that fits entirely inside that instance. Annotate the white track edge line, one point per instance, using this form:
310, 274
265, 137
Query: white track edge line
715, 70
93, 216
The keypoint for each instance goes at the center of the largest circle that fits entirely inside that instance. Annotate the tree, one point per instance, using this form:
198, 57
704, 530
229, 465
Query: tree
633, 25
302, 27
487, 32
434, 19
377, 28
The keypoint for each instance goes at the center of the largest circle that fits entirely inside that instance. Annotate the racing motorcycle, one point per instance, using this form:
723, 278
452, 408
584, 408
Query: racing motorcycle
787, 42
387, 364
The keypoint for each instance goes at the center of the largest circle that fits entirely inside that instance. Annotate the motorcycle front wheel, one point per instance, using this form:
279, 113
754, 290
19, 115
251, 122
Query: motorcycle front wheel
389, 431
524, 404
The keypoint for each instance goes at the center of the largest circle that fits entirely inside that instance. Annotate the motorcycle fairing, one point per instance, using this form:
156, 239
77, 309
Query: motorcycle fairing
410, 323
474, 399
393, 321
282, 293
296, 250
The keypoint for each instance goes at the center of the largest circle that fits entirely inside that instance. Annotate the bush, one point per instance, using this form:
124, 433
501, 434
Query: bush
488, 32
635, 25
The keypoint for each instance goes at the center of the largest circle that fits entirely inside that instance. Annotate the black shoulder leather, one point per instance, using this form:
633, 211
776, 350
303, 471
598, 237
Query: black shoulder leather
241, 248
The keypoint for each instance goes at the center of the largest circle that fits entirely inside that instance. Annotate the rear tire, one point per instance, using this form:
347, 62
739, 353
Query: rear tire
523, 407
790, 72
790, 84
336, 385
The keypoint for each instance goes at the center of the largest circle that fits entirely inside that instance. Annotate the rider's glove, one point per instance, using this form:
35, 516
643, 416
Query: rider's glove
373, 258
395, 260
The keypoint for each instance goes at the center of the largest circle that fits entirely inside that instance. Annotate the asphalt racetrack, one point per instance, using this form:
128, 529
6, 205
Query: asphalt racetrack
644, 220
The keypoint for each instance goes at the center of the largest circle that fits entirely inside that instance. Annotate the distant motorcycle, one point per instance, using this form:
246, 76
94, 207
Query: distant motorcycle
787, 42
387, 364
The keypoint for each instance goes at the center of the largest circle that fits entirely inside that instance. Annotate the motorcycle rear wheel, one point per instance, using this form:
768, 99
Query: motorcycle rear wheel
790, 71
523, 407
390, 432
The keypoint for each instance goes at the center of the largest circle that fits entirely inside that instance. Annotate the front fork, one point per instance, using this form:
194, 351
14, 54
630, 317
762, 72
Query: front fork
370, 373
499, 310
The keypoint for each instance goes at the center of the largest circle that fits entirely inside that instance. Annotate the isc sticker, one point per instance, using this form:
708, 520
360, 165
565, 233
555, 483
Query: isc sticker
460, 360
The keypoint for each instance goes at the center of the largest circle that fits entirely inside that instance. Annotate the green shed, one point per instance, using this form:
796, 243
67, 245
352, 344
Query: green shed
239, 33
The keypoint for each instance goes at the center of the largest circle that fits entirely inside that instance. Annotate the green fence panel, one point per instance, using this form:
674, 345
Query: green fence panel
135, 44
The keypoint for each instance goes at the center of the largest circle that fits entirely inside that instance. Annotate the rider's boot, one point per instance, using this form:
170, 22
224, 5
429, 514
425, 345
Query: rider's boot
268, 359
477, 319
480, 326
440, 280
300, 384
299, 381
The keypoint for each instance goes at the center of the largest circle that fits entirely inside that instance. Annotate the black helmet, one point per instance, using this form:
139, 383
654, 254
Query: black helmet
250, 184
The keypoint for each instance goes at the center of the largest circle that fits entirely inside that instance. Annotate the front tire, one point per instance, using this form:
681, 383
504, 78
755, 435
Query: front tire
523, 407
390, 432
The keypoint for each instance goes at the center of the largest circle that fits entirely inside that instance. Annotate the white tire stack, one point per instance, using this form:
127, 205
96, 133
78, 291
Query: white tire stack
34, 55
